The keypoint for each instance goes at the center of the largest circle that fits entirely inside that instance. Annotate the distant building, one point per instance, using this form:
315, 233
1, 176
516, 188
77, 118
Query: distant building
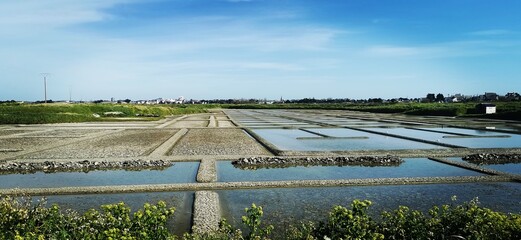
455, 98
451, 99
486, 108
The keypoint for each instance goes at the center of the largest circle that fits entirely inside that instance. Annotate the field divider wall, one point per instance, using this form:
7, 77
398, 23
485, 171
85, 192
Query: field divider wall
250, 185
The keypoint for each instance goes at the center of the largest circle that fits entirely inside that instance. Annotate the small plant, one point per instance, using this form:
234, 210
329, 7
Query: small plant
23, 219
252, 220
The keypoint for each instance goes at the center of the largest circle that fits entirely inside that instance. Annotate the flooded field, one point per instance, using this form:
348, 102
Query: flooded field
202, 146
335, 139
287, 206
181, 172
412, 167
514, 168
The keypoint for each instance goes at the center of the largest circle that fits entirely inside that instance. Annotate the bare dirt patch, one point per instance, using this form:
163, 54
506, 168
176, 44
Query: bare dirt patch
128, 143
11, 132
197, 117
70, 133
226, 124
217, 142
189, 124
23, 143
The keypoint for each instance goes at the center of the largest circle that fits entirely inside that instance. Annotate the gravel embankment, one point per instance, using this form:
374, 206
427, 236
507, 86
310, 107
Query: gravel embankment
207, 172
248, 185
492, 158
282, 162
217, 142
128, 143
84, 166
207, 212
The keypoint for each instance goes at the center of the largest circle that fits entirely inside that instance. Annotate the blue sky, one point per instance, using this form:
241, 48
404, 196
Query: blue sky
206, 49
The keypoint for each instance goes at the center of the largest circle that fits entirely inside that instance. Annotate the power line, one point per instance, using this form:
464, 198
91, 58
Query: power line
45, 75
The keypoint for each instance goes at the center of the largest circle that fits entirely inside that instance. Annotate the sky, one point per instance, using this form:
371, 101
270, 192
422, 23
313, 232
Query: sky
220, 49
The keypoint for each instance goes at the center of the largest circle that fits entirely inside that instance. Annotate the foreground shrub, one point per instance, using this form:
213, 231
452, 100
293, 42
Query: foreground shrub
23, 219
20, 219
352, 223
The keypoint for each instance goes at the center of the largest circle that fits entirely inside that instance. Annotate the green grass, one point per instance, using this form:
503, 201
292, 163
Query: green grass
60, 112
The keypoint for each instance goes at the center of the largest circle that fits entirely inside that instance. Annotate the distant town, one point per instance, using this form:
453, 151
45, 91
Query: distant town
429, 98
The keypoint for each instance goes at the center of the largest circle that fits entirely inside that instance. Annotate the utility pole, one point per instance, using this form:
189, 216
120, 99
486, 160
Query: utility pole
45, 75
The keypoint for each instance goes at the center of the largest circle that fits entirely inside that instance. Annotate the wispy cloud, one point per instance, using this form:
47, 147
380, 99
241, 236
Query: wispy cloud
397, 51
444, 49
491, 32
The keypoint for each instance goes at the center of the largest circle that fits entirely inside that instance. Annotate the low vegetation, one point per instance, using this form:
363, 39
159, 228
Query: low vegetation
505, 110
16, 113
23, 219
19, 113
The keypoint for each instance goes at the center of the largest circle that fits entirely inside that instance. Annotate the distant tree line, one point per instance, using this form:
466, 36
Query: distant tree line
9, 101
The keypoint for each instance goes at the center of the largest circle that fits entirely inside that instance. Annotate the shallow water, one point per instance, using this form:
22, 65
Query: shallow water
514, 141
286, 139
514, 168
181, 172
417, 167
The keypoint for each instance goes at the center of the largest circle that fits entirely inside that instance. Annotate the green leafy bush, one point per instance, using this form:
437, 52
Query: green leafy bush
20, 219
23, 219
352, 223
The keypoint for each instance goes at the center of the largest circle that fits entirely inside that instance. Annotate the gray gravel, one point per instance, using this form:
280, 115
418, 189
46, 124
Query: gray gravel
493, 158
248, 185
270, 162
207, 212
83, 166
207, 172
